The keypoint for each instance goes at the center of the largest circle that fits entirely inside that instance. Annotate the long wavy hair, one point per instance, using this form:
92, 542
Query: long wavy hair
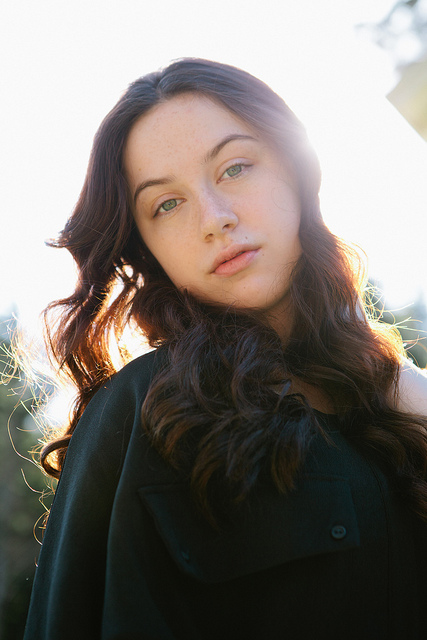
222, 407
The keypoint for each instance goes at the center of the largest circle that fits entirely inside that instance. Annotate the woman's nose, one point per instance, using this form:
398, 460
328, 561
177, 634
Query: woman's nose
216, 215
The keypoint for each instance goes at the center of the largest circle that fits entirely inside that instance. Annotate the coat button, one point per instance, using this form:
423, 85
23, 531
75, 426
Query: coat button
338, 532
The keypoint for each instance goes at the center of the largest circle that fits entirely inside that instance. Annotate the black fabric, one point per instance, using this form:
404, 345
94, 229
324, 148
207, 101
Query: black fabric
126, 554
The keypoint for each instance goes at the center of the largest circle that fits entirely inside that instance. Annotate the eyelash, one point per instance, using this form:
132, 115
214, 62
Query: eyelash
178, 200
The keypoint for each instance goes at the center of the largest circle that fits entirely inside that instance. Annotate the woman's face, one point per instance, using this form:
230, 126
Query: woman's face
214, 204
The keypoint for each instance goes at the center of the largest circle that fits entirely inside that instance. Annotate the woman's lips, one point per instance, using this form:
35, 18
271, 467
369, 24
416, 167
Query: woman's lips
236, 264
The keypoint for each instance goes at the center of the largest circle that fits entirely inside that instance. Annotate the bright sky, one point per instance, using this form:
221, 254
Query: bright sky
65, 64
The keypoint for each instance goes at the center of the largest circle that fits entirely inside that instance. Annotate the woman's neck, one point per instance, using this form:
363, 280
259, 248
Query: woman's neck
315, 396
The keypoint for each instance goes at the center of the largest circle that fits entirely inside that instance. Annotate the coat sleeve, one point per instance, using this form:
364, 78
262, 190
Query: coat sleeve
68, 592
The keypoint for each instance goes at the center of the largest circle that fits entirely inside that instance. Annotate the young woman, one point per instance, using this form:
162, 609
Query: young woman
262, 473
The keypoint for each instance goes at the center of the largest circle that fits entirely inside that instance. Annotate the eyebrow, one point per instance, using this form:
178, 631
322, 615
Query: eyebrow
215, 151
151, 183
208, 158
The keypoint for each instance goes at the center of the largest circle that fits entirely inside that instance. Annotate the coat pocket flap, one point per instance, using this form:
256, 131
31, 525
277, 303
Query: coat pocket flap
317, 517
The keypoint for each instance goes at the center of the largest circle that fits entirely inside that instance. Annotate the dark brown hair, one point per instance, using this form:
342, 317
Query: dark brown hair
218, 390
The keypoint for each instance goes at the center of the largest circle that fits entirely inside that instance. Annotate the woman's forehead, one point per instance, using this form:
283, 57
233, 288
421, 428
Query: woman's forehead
185, 124
186, 113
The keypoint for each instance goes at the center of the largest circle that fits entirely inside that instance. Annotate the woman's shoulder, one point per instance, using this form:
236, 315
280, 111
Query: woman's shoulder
412, 388
114, 410
138, 373
130, 383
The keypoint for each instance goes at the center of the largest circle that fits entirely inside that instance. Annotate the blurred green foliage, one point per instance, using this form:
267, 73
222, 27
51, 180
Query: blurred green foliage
411, 321
22, 490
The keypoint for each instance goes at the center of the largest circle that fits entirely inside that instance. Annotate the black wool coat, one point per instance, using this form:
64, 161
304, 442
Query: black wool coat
126, 555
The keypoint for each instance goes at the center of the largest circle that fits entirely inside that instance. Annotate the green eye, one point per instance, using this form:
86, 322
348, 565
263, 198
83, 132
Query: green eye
234, 170
168, 205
